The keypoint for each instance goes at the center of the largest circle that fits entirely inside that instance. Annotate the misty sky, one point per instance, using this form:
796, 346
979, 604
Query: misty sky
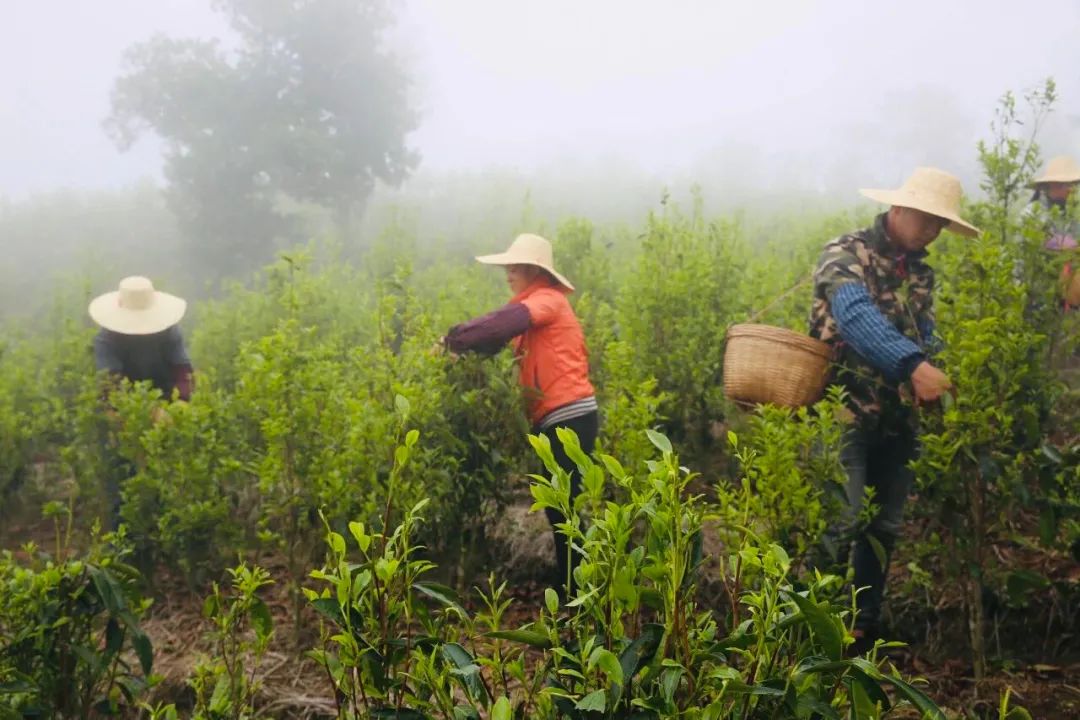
679, 89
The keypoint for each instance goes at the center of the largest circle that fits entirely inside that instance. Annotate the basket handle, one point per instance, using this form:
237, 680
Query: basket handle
782, 296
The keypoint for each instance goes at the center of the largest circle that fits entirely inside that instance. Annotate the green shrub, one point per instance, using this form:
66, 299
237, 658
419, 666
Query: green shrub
227, 683
632, 643
674, 311
792, 485
70, 640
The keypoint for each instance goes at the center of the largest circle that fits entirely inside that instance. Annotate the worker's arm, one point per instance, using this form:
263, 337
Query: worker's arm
859, 322
488, 334
183, 372
864, 328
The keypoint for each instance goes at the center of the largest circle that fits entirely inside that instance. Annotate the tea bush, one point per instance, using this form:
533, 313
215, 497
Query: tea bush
70, 640
683, 292
792, 485
632, 643
999, 305
227, 684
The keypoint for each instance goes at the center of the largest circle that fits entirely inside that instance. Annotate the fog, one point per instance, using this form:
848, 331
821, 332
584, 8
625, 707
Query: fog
677, 89
596, 106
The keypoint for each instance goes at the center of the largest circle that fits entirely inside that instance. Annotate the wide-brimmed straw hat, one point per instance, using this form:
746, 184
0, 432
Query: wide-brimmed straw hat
528, 249
137, 309
932, 191
1062, 169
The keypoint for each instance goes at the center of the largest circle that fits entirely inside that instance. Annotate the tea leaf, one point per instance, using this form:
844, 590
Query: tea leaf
501, 710
823, 626
527, 637
659, 440
596, 701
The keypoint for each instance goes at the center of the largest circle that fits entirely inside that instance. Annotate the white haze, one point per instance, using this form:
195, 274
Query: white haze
754, 100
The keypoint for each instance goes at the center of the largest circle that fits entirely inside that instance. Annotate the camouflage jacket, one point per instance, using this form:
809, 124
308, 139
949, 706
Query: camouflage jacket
899, 286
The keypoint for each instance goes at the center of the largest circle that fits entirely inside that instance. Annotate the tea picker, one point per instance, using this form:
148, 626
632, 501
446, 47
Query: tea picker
1054, 189
139, 340
871, 332
873, 301
553, 362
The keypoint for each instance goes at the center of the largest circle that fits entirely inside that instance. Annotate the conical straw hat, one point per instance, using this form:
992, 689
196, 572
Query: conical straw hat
137, 309
932, 191
528, 249
1060, 169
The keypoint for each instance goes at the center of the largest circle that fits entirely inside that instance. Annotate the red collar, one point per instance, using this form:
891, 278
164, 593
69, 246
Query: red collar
901, 267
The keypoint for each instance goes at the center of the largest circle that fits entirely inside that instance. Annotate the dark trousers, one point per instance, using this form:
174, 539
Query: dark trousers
118, 471
586, 427
879, 461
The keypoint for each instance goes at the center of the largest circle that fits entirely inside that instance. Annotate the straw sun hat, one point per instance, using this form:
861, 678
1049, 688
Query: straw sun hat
528, 249
137, 309
1062, 169
932, 191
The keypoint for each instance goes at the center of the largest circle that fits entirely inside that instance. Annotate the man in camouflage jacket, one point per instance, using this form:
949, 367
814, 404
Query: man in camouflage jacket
873, 302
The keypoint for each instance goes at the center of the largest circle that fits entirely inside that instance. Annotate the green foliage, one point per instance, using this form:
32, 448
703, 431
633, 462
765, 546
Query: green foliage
977, 448
631, 404
792, 485
370, 638
632, 643
683, 292
1057, 497
1008, 711
45, 378
227, 684
70, 640
16, 431
180, 506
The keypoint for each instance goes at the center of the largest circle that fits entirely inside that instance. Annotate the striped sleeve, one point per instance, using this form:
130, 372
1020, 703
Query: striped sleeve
865, 329
931, 341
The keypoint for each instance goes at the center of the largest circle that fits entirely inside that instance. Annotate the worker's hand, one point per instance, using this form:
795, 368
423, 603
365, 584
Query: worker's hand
440, 348
160, 415
929, 383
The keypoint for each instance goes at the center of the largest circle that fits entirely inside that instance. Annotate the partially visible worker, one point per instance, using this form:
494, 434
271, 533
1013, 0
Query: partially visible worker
1054, 189
140, 340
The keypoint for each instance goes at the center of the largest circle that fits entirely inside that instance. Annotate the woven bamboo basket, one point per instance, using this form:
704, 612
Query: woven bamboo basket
766, 364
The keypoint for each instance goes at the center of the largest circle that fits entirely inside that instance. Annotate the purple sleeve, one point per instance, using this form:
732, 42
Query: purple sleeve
184, 381
489, 333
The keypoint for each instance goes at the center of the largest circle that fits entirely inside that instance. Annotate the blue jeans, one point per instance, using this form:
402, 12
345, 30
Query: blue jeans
878, 460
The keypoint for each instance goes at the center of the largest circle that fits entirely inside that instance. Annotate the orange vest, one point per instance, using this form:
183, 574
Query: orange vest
552, 359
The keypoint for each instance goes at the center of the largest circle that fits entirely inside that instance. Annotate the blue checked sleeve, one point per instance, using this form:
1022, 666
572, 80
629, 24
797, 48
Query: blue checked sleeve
932, 342
865, 329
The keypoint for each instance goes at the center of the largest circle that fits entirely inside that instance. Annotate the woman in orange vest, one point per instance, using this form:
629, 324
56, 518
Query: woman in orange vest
553, 362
